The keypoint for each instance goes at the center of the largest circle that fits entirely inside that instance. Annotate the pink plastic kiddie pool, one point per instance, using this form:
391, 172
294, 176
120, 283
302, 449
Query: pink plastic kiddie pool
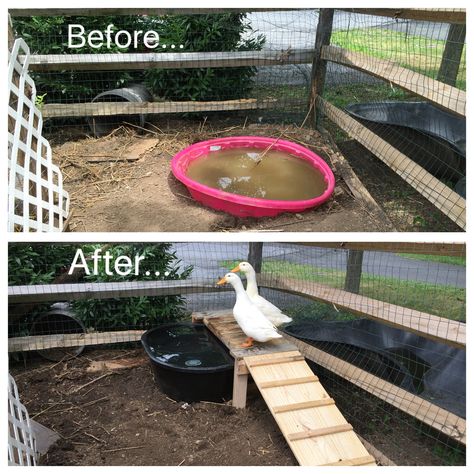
243, 206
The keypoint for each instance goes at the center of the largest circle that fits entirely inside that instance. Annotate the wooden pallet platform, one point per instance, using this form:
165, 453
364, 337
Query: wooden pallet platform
224, 327
315, 429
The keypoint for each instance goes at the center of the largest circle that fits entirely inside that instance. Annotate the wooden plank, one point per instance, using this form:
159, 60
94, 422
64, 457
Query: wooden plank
80, 291
426, 325
278, 360
443, 95
239, 391
29, 343
434, 416
27, 12
285, 382
355, 185
34, 343
220, 325
242, 367
224, 314
361, 461
442, 15
319, 432
100, 109
440, 195
308, 451
184, 60
303, 405
417, 248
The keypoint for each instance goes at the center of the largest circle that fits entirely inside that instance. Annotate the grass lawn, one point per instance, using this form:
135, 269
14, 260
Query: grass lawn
346, 94
418, 53
445, 301
436, 258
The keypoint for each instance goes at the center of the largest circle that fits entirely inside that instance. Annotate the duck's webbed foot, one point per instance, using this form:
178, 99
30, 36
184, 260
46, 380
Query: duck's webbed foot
248, 342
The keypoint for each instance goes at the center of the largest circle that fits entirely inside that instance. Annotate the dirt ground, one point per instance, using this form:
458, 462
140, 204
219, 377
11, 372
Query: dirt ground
123, 182
120, 417
406, 208
398, 436
124, 419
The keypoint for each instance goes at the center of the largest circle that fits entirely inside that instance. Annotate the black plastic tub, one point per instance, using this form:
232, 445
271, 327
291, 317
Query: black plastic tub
433, 138
190, 364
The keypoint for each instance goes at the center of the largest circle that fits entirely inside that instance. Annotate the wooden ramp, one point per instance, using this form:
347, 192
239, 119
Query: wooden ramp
314, 428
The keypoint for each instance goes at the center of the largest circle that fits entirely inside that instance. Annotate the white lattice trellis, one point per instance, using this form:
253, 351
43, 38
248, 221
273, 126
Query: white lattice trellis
21, 439
36, 198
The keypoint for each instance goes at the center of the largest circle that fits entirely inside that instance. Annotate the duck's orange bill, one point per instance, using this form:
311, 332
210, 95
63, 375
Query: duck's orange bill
222, 281
236, 269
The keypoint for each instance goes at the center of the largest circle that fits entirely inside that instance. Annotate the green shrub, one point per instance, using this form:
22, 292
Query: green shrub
30, 264
48, 35
198, 33
137, 312
205, 33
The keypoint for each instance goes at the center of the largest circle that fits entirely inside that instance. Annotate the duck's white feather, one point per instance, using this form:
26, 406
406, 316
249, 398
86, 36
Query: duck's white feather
250, 319
269, 310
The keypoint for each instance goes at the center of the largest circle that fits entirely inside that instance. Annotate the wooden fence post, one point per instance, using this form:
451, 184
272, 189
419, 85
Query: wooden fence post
452, 54
354, 271
318, 70
255, 255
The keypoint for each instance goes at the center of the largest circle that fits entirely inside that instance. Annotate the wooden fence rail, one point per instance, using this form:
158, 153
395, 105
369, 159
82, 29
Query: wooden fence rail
126, 289
26, 12
416, 248
441, 15
184, 60
102, 109
434, 416
426, 325
443, 95
440, 195
444, 15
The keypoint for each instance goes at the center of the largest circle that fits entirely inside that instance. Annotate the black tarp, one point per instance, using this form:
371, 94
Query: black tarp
433, 371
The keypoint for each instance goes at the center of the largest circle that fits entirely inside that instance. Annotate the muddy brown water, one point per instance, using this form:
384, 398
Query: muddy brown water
278, 175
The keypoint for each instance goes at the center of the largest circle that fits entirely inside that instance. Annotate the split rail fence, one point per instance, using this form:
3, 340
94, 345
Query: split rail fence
429, 326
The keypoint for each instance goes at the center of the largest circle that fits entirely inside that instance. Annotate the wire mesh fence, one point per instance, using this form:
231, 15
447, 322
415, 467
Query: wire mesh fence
394, 83
255, 59
402, 81
384, 323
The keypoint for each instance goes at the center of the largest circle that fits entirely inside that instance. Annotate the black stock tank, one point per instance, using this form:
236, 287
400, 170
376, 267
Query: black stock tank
189, 362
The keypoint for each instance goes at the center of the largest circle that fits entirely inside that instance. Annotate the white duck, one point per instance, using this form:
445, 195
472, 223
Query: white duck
269, 310
250, 319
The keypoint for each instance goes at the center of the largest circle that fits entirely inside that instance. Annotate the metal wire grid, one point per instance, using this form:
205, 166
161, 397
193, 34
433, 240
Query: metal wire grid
413, 366
279, 38
36, 198
279, 93
427, 57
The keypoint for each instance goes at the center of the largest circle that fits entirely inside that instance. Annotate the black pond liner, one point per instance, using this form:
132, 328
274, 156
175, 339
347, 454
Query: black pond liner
189, 362
433, 138
433, 371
